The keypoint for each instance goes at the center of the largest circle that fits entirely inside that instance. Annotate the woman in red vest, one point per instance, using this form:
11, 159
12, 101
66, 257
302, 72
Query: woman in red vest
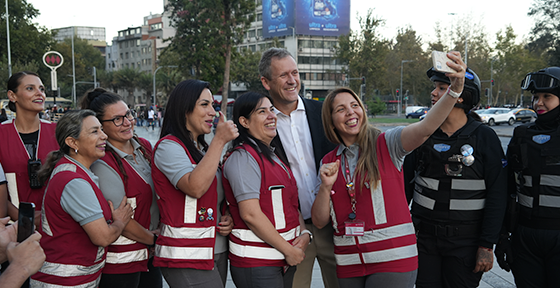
362, 189
191, 249
25, 141
125, 170
77, 223
267, 241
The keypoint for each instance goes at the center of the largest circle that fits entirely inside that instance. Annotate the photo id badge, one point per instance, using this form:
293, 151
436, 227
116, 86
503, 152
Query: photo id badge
354, 228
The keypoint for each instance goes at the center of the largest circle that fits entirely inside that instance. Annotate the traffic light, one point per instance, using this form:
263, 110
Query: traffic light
486, 92
363, 80
492, 82
397, 92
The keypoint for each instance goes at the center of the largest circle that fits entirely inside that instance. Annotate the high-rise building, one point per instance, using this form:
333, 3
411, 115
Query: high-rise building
94, 35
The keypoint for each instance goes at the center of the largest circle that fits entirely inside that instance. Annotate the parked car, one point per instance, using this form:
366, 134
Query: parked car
496, 116
524, 115
417, 113
412, 109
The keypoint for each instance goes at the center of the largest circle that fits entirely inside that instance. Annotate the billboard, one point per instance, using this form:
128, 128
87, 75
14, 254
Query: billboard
309, 17
278, 16
323, 17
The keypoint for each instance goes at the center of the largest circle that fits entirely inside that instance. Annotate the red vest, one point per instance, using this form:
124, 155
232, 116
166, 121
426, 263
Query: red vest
14, 157
389, 241
188, 233
72, 259
125, 255
279, 202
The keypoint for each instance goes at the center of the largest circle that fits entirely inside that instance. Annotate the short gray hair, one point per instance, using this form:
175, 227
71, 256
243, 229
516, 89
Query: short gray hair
266, 59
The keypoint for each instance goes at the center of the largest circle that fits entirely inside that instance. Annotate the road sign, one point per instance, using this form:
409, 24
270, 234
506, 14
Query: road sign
53, 60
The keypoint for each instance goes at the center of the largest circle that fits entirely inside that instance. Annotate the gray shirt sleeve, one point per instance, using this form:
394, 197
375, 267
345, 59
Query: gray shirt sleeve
2, 176
78, 199
172, 160
244, 175
112, 185
394, 144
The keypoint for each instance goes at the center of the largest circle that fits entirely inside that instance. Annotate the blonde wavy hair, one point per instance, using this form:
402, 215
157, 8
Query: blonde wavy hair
368, 166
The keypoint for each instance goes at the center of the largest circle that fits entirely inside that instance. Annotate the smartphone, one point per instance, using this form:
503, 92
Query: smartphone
26, 226
439, 60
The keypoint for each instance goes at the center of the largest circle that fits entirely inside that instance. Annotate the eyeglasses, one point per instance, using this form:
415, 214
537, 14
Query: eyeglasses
119, 120
539, 81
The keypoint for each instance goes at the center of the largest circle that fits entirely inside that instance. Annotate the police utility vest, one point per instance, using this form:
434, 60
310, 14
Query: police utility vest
449, 183
535, 159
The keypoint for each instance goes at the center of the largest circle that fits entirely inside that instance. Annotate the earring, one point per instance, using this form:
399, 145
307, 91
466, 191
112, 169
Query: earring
76, 150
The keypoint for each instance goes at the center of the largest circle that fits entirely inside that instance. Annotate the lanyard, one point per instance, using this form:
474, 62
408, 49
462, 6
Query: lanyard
351, 188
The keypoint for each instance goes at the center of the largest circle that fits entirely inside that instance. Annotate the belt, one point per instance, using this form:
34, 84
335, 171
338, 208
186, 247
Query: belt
308, 221
449, 230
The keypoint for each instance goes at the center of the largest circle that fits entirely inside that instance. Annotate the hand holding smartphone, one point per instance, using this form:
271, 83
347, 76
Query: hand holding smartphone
26, 218
439, 61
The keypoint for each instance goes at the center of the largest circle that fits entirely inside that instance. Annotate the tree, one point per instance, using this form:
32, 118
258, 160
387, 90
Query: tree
166, 81
376, 107
206, 32
545, 35
28, 41
127, 79
245, 70
364, 53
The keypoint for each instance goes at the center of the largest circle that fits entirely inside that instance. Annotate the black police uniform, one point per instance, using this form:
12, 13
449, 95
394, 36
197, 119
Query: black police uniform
534, 157
459, 202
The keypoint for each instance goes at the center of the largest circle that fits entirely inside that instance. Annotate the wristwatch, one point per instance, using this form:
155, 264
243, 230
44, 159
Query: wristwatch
307, 232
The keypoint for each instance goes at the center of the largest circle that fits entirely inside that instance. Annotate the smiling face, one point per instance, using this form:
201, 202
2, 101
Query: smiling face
347, 117
262, 121
91, 142
200, 120
122, 133
543, 102
29, 95
284, 84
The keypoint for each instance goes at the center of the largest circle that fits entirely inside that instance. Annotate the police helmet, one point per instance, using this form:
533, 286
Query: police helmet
544, 80
472, 84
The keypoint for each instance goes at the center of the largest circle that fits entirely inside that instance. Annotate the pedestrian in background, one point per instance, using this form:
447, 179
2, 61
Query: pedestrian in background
192, 248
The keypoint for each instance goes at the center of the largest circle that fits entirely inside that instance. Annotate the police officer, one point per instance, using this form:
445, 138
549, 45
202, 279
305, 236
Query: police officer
458, 193
534, 175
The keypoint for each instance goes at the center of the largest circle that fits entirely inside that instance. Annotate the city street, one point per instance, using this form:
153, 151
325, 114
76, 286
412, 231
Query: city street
495, 278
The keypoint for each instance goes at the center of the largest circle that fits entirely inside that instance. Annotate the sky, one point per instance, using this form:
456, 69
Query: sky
422, 16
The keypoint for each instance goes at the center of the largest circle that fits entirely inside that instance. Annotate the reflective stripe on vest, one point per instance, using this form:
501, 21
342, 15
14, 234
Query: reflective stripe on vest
456, 184
278, 207
376, 235
181, 253
247, 235
187, 232
546, 180
127, 257
67, 270
377, 256
544, 201
38, 284
265, 253
190, 205
123, 241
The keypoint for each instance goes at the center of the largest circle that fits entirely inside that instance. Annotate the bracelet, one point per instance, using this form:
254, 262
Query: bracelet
487, 249
308, 233
452, 93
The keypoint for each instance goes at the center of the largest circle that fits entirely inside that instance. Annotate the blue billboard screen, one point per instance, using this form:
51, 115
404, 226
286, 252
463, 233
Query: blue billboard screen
278, 16
322, 17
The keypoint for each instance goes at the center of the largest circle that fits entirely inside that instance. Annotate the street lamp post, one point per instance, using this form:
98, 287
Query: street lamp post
399, 96
154, 87
491, 77
8, 39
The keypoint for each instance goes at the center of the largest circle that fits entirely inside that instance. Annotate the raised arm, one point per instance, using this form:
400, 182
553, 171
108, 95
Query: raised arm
415, 134
320, 212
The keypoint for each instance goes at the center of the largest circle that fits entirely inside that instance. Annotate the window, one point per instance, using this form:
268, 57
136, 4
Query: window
132, 54
126, 44
262, 47
251, 34
259, 16
137, 42
121, 56
259, 32
126, 55
253, 48
132, 65
120, 45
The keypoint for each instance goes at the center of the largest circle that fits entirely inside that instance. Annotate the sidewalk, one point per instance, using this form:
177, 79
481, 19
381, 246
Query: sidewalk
495, 278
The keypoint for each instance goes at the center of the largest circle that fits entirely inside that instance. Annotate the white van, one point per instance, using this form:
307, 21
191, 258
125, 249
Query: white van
411, 109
